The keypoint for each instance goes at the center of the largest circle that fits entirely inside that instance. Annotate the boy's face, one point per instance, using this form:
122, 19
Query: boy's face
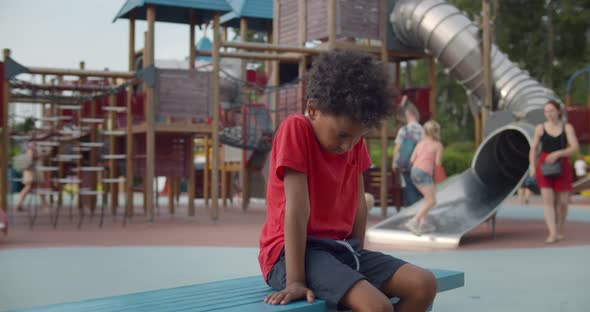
336, 134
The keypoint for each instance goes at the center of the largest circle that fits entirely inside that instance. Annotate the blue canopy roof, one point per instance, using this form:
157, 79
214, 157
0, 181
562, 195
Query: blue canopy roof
259, 14
174, 11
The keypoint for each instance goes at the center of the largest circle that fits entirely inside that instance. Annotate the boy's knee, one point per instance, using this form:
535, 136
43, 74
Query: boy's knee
426, 286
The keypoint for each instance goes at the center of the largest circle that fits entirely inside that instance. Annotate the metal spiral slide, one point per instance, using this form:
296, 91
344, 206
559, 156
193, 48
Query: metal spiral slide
501, 162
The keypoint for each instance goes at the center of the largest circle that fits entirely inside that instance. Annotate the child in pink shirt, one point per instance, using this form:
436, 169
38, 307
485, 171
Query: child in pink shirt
427, 156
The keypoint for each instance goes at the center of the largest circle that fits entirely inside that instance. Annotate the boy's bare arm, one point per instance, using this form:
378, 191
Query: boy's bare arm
296, 218
360, 221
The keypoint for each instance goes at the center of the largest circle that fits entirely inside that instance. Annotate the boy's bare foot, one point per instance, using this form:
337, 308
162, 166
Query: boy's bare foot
560, 237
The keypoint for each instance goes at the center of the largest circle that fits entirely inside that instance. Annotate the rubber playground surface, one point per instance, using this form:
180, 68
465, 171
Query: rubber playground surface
515, 271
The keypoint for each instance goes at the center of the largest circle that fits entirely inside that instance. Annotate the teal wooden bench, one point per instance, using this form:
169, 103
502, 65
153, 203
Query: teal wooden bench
242, 294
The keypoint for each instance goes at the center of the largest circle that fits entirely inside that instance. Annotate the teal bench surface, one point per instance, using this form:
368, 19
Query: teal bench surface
242, 294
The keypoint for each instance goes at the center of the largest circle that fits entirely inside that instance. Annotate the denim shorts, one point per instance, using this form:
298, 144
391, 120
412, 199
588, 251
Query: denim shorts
420, 177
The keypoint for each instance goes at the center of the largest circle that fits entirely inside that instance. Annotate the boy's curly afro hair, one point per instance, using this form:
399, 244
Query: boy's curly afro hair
350, 83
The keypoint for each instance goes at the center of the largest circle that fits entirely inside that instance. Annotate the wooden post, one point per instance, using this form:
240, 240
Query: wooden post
150, 118
303, 60
60, 149
477, 126
215, 127
112, 187
384, 141
192, 52
223, 177
432, 83
487, 70
302, 23
191, 143
129, 125
269, 36
191, 176
244, 173
171, 181
206, 170
331, 23
398, 82
5, 145
275, 64
93, 154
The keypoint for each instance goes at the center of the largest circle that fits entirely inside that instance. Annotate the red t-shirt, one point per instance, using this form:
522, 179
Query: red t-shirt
332, 185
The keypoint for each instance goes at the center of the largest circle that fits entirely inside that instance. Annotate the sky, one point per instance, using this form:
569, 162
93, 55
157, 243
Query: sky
61, 33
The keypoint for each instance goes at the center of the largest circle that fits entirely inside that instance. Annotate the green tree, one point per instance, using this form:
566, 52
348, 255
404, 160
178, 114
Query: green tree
548, 38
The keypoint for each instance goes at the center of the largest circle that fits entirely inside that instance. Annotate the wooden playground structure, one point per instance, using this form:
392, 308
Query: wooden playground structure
150, 130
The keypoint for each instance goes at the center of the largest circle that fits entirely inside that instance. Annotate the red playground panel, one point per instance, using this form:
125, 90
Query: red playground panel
579, 118
256, 77
420, 96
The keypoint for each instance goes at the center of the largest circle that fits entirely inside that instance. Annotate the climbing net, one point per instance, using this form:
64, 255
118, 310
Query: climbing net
249, 122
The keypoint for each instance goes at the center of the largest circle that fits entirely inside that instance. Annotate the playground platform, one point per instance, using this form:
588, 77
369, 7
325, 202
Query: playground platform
515, 271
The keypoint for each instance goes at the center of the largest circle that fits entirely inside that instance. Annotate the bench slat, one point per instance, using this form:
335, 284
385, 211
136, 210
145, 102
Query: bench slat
241, 294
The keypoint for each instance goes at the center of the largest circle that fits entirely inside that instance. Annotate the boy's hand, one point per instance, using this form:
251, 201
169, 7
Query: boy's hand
292, 292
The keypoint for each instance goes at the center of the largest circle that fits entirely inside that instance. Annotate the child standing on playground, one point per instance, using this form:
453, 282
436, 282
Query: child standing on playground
426, 157
312, 242
32, 177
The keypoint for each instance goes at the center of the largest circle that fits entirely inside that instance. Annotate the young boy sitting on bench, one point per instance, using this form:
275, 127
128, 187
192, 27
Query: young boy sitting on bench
312, 242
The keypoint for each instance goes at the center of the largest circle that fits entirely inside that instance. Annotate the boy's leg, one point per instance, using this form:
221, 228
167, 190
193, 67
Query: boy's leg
332, 280
325, 275
365, 297
415, 287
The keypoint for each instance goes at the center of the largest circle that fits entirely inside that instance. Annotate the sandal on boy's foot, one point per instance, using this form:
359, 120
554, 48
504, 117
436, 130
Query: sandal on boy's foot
427, 227
413, 226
